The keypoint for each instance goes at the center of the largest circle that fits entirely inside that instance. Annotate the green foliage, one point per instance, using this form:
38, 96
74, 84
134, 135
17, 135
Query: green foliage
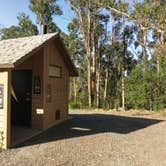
45, 10
144, 85
26, 25
92, 42
74, 105
24, 28
146, 89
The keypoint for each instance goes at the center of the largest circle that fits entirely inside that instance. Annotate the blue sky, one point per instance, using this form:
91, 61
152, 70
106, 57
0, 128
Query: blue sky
9, 10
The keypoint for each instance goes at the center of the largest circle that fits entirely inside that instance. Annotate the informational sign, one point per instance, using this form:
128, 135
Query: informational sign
1, 96
40, 111
37, 85
55, 71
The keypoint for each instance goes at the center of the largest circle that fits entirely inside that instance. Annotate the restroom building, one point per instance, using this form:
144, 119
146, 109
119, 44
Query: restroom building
34, 86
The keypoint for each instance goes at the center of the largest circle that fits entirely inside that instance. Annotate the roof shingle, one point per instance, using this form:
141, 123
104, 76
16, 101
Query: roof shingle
12, 50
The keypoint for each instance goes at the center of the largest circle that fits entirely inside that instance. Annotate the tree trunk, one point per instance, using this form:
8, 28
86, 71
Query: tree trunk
123, 69
98, 89
144, 51
160, 41
106, 84
123, 89
89, 83
75, 90
94, 70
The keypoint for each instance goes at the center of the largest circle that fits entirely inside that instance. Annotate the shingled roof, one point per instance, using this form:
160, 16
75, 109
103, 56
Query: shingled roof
14, 50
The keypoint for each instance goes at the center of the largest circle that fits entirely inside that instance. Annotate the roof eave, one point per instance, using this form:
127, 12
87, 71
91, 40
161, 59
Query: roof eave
6, 66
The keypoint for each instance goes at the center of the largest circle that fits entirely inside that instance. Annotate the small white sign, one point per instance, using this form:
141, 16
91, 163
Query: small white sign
39, 111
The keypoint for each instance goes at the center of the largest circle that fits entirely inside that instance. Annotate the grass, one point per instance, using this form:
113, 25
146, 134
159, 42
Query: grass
132, 112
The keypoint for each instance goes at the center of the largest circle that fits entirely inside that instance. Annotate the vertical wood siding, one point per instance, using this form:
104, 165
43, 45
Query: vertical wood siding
59, 87
35, 63
39, 63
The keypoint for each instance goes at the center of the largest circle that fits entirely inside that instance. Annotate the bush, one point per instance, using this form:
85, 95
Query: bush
74, 105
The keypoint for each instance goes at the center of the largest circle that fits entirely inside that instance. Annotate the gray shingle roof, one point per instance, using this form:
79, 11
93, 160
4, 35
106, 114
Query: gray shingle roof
12, 50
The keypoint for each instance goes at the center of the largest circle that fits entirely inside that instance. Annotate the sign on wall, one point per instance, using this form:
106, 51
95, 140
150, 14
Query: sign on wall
37, 85
55, 71
1, 95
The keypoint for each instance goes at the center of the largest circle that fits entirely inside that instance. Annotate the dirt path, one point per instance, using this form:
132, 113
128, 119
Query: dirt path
95, 139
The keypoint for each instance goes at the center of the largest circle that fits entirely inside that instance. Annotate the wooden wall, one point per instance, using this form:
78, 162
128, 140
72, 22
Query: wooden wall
35, 63
5, 80
43, 111
39, 64
59, 87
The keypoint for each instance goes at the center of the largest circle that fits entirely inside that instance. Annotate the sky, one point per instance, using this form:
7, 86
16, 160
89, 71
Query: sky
9, 10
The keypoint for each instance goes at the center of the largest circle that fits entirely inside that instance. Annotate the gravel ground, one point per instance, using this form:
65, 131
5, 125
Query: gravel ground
99, 139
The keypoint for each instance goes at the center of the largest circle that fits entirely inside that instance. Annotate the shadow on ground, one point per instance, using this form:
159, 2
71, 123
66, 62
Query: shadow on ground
88, 124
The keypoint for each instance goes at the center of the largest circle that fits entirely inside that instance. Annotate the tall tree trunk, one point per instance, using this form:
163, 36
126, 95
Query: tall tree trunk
106, 85
89, 73
123, 89
98, 88
144, 50
160, 41
113, 30
96, 62
94, 69
89, 83
75, 90
122, 68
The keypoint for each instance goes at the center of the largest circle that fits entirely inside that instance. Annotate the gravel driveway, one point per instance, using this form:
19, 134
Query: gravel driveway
99, 139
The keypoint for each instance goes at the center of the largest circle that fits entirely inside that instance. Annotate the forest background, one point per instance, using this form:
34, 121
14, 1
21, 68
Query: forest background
118, 47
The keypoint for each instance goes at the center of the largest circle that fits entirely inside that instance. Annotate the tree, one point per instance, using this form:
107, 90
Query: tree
26, 25
148, 88
114, 57
45, 10
24, 28
76, 49
91, 28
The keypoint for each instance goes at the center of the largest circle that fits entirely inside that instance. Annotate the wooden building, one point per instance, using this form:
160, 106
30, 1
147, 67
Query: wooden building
34, 86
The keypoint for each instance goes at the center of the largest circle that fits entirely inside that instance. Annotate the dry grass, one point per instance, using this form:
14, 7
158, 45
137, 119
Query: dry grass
134, 112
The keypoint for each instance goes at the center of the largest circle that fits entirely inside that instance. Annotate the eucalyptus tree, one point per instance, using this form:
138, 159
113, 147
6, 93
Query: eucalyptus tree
108, 58
90, 27
149, 16
91, 20
117, 8
45, 10
76, 49
24, 28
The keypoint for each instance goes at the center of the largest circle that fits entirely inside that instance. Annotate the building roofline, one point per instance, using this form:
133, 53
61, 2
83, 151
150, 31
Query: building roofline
66, 57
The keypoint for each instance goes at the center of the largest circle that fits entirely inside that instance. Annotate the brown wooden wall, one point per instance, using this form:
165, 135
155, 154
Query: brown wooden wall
59, 87
35, 63
43, 110
39, 64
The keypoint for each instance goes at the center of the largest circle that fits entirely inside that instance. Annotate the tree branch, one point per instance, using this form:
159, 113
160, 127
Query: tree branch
131, 18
